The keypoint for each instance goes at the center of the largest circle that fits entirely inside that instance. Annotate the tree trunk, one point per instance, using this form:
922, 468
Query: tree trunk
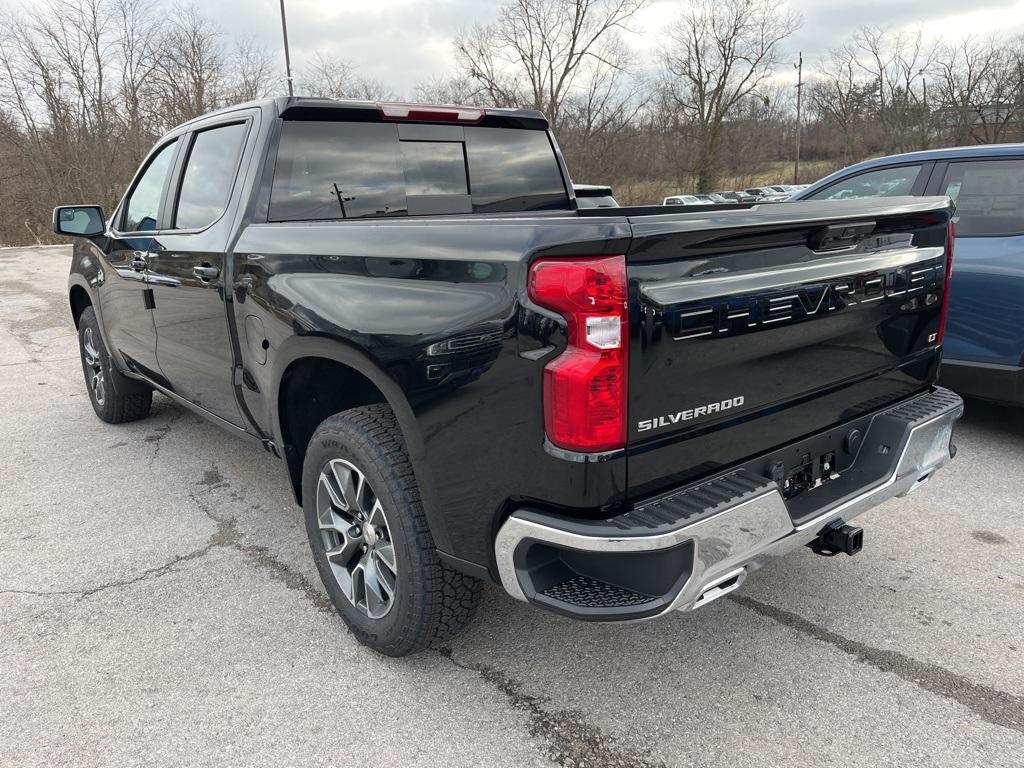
709, 168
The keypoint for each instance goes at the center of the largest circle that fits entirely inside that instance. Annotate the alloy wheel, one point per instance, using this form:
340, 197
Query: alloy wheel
95, 375
356, 537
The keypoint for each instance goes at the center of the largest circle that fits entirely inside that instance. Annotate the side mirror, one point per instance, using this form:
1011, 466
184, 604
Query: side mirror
78, 220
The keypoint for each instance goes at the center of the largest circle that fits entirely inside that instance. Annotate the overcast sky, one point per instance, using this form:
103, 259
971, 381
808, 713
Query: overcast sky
402, 42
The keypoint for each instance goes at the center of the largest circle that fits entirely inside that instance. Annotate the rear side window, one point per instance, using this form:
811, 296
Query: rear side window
209, 174
989, 197
885, 182
338, 170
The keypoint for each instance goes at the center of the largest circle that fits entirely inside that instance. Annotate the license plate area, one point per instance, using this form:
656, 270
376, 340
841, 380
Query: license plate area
813, 471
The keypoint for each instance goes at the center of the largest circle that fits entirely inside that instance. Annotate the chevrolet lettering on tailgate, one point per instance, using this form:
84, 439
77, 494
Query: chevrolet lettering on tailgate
727, 315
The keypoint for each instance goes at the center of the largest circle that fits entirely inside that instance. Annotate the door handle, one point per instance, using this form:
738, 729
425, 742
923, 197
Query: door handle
139, 262
206, 272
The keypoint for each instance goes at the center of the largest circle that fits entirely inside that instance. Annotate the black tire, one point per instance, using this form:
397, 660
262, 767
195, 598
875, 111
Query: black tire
110, 406
430, 602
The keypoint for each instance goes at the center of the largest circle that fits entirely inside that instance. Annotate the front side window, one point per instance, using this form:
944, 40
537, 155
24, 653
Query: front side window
143, 206
989, 197
209, 175
885, 182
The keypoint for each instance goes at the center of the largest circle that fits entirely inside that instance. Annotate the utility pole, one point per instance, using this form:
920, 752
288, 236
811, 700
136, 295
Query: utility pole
287, 57
799, 89
926, 121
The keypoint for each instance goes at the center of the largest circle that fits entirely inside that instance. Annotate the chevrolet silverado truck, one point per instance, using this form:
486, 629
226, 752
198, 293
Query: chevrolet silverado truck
612, 413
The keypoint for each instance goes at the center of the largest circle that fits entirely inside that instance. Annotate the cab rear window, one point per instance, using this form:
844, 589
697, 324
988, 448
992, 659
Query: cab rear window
348, 170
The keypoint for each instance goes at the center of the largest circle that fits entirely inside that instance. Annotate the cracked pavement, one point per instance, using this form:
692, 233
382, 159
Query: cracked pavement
158, 606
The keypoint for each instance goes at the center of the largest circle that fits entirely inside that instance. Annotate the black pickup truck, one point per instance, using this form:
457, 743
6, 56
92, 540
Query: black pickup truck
613, 413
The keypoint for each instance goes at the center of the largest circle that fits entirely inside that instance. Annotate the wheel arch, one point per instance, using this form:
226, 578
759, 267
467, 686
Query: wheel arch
79, 300
336, 376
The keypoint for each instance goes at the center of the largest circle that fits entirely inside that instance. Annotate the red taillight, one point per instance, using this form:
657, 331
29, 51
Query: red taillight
944, 307
393, 110
585, 386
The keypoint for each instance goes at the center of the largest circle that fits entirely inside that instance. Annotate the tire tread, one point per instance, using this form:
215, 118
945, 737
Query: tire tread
449, 598
118, 409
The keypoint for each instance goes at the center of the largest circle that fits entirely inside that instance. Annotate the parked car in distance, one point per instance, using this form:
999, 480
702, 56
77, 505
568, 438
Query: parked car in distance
767, 194
594, 196
984, 346
613, 414
684, 200
738, 197
787, 190
714, 198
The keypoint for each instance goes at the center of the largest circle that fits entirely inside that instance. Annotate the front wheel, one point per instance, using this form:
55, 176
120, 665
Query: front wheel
99, 371
370, 539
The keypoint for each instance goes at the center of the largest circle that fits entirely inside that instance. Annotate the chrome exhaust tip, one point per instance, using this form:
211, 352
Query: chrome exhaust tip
720, 587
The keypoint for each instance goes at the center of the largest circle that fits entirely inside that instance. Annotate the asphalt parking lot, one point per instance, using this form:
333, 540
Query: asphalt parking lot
158, 607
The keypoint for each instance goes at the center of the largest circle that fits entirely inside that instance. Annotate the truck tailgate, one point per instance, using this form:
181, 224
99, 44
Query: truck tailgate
753, 328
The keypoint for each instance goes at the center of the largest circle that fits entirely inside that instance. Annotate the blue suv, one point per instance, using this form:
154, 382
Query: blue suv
984, 342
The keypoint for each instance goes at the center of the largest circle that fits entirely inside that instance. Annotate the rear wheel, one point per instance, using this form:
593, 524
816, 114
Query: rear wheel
370, 538
110, 406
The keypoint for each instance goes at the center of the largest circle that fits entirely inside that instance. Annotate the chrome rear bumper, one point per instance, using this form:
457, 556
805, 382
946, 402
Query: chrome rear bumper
682, 551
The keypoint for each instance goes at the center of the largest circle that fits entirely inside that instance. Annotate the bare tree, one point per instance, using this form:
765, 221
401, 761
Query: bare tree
897, 62
597, 116
336, 78
539, 52
87, 85
718, 54
58, 62
253, 72
980, 85
1008, 91
839, 94
139, 32
192, 72
448, 90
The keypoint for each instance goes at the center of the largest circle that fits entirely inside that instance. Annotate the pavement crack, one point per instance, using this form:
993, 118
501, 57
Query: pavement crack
159, 433
258, 555
225, 535
990, 704
263, 558
217, 540
569, 739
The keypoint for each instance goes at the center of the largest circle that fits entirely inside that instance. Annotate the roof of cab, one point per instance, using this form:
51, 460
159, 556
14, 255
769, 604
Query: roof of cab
304, 106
